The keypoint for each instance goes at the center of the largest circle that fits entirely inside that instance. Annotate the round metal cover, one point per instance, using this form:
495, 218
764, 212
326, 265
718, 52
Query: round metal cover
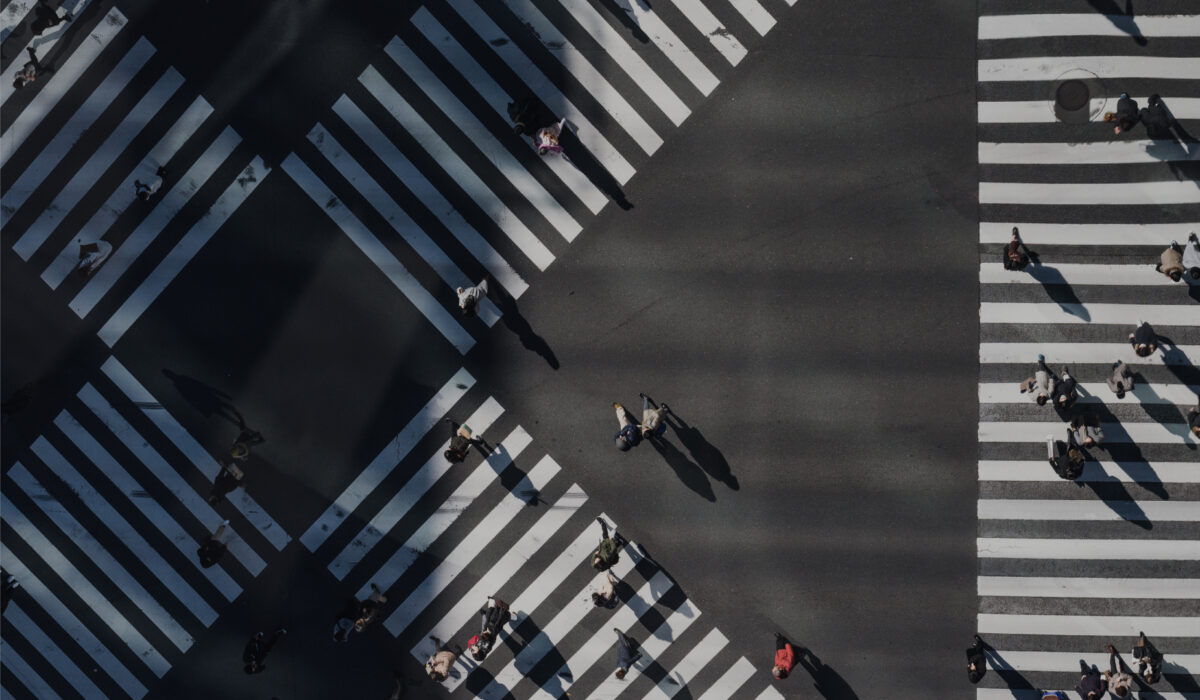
1072, 95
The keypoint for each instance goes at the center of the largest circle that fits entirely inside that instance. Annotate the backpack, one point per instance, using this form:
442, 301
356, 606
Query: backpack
608, 553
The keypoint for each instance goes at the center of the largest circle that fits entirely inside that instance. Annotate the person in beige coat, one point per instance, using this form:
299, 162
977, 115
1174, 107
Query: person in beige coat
1171, 262
438, 666
1121, 379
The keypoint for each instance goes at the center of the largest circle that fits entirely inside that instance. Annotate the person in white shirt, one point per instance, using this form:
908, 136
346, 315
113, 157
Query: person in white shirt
92, 256
468, 297
1121, 380
144, 190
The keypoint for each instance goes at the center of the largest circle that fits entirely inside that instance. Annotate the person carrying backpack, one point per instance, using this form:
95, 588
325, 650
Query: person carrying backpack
1066, 458
1149, 659
609, 551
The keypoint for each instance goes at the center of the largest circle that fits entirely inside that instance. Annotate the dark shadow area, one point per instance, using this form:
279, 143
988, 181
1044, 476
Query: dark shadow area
623, 11
689, 473
1113, 494
705, 454
515, 322
1121, 18
587, 164
1011, 677
1135, 464
827, 681
1176, 360
1057, 288
205, 399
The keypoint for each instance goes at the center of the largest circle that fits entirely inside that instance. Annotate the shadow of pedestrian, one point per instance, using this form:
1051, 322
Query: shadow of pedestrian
625, 13
1012, 677
1121, 19
1113, 494
205, 399
591, 168
1058, 289
515, 322
689, 473
703, 452
828, 683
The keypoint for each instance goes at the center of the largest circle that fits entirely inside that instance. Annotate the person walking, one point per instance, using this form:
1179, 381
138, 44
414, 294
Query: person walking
1121, 380
255, 653
144, 190
1067, 395
609, 551
214, 548
1144, 340
92, 256
1042, 385
626, 654
606, 595
1066, 458
1170, 262
29, 72
653, 419
1157, 119
438, 666
1053, 695
1092, 685
1149, 659
7, 589
47, 18
785, 657
229, 478
1086, 429
1120, 681
1191, 256
461, 439
976, 661
369, 608
1126, 116
546, 139
492, 620
1193, 417
1016, 255
468, 297
627, 433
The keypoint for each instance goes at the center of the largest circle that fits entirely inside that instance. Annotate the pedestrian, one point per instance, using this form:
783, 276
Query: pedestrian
546, 139
1067, 395
1086, 429
492, 620
524, 113
211, 551
46, 18
29, 72
1042, 385
626, 654
1016, 255
229, 478
343, 627
785, 657
1120, 681
609, 551
1149, 659
460, 442
7, 589
143, 190
369, 608
1066, 458
627, 433
1121, 380
1157, 119
1053, 695
1191, 256
255, 653
92, 256
468, 297
1170, 263
1126, 115
1092, 685
1144, 340
653, 419
976, 661
606, 595
1193, 417
438, 666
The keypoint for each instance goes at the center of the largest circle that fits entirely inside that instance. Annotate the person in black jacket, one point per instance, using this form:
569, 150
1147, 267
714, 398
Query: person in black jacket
212, 550
1016, 255
1193, 417
976, 661
255, 653
1149, 659
1066, 458
1127, 114
460, 442
1157, 119
1144, 340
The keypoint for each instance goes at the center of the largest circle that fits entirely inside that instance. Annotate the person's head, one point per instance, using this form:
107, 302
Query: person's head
1121, 691
1124, 123
476, 650
622, 444
1196, 431
1088, 442
1148, 675
598, 600
542, 150
779, 673
1110, 116
239, 451
1176, 275
1194, 273
19, 83
1041, 399
1142, 350
620, 674
452, 456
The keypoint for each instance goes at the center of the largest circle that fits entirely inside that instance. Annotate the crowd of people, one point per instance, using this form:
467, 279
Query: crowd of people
1093, 683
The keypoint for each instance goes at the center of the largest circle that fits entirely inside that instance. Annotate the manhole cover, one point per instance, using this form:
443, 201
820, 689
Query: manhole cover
1072, 95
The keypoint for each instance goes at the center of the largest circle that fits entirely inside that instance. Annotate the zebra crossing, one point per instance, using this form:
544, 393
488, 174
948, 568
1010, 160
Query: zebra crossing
427, 124
439, 538
135, 118
1068, 567
102, 519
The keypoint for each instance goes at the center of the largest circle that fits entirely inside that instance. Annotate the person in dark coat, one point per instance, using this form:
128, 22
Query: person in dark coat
1066, 458
29, 72
492, 620
1121, 380
1066, 395
1193, 417
609, 551
1016, 255
1157, 119
1126, 115
1144, 340
785, 657
47, 18
460, 442
626, 654
229, 478
1149, 659
255, 653
212, 550
976, 661
627, 433
1092, 685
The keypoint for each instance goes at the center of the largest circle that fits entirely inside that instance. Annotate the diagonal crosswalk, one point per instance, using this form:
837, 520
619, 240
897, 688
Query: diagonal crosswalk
1067, 568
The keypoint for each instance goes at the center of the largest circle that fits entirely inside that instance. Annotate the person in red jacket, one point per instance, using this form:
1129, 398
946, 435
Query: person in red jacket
785, 657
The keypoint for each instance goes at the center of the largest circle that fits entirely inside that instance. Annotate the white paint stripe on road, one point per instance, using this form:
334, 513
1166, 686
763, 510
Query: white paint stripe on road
82, 587
399, 220
429, 306
1025, 694
480, 536
686, 670
1042, 111
1140, 433
1086, 24
770, 693
183, 252
1103, 67
1095, 153
127, 583
13, 14
17, 10
1069, 549
123, 531
100, 161
1080, 353
1056, 661
1076, 274
457, 169
408, 496
1124, 588
1099, 393
53, 153
1119, 314
60, 81
1088, 625
163, 213
388, 459
205, 462
669, 44
15, 667
1090, 193
474, 75
484, 140
666, 633
1061, 509
728, 684
536, 593
149, 507
454, 505
545, 89
513, 559
429, 195
70, 624
755, 14
711, 28
1087, 234
1124, 472
165, 473
119, 198
16, 619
